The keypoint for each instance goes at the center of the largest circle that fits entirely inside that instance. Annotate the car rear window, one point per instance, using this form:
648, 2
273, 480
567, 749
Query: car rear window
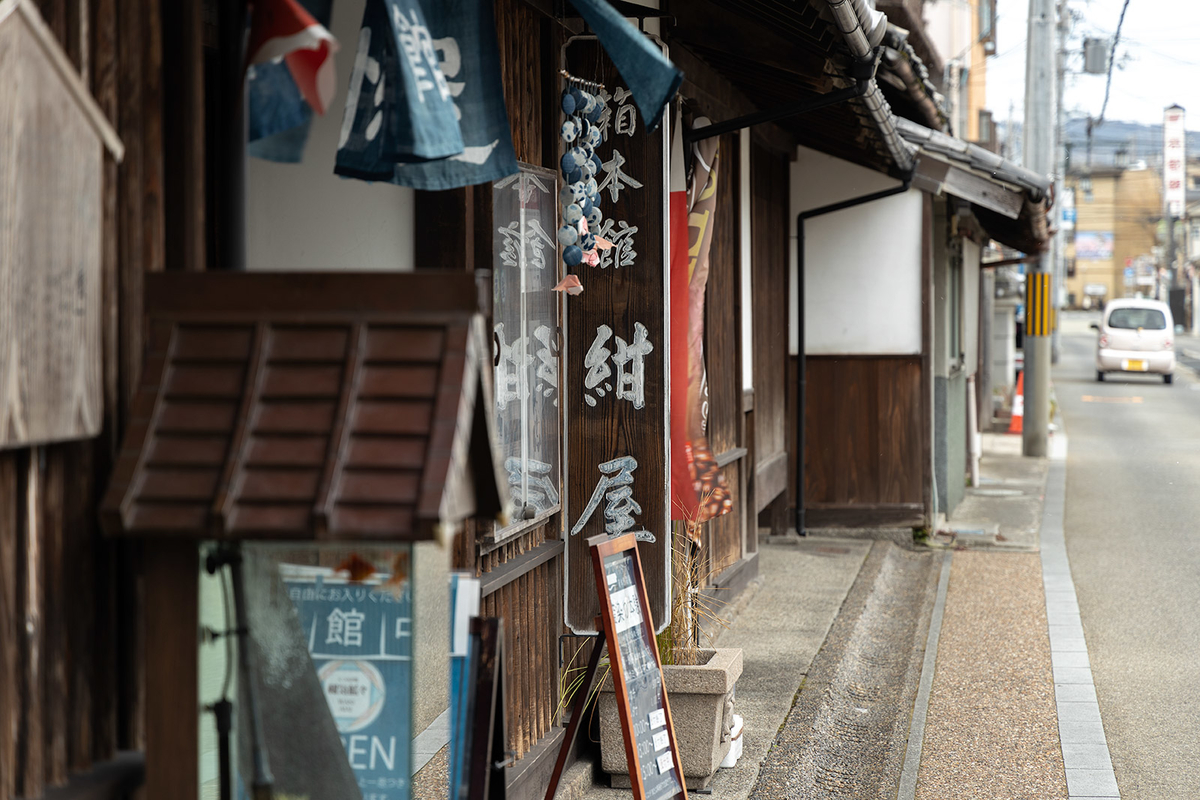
1148, 318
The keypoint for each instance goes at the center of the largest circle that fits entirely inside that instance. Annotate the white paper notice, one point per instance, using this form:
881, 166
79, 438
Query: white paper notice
658, 718
627, 611
661, 739
665, 763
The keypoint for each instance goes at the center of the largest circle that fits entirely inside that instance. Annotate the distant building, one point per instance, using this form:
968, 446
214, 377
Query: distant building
1111, 252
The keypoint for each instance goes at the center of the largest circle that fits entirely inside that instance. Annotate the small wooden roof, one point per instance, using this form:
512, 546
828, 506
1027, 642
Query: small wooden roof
308, 406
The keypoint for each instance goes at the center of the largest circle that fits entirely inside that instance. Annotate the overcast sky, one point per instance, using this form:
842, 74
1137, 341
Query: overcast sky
1160, 49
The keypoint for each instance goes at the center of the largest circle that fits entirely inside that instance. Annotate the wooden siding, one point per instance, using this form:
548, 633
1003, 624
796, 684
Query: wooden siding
863, 428
81, 697
770, 421
531, 607
723, 358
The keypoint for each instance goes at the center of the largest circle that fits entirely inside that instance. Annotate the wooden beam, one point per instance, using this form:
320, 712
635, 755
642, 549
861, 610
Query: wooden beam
720, 100
172, 712
184, 176
743, 36
31, 746
56, 611
10, 692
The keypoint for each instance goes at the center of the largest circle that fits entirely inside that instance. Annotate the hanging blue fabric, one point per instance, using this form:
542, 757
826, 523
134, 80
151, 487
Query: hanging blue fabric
464, 34
399, 107
279, 119
651, 76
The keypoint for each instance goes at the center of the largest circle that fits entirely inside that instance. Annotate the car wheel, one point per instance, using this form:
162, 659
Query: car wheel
1168, 378
1100, 376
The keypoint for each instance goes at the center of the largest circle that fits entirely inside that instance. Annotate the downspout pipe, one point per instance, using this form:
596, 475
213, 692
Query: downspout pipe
801, 367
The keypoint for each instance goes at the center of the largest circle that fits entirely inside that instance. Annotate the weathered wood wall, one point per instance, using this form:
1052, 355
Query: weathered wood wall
723, 359
864, 443
71, 639
770, 230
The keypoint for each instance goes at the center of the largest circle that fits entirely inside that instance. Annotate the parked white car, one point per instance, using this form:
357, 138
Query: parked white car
1136, 336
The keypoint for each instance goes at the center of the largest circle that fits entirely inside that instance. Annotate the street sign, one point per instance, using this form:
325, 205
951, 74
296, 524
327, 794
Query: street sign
1174, 161
1128, 274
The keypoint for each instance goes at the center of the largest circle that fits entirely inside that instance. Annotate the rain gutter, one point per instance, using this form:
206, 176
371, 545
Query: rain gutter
854, 19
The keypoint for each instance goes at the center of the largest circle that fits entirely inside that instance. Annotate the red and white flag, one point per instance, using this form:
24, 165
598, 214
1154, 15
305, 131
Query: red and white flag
284, 29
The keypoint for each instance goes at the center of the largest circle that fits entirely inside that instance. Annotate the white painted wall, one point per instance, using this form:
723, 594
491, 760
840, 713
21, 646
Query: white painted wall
303, 217
862, 264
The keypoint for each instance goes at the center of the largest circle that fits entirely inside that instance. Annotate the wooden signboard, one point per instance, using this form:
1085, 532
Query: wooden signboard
51, 158
655, 771
616, 390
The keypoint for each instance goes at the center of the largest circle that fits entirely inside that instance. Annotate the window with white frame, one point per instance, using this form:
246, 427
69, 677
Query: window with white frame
526, 342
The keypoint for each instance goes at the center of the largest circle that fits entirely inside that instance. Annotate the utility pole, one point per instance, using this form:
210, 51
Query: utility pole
1039, 156
1060, 161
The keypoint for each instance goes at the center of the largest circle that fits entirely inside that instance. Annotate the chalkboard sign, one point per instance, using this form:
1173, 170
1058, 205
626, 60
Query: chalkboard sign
654, 768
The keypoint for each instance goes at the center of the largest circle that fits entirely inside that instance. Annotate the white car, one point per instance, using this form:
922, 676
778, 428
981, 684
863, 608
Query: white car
1136, 336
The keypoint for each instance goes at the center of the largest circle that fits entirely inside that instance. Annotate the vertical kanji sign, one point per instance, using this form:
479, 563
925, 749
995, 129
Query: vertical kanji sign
616, 386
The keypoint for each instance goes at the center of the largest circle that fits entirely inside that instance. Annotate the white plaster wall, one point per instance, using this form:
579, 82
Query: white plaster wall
862, 264
303, 217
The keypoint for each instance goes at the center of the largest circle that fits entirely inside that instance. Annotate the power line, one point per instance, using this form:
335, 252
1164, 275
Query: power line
1112, 58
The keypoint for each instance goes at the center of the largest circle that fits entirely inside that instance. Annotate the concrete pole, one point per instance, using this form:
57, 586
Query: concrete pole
1040, 118
1060, 165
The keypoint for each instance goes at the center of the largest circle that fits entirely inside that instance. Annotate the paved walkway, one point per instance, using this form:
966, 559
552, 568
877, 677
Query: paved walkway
1012, 710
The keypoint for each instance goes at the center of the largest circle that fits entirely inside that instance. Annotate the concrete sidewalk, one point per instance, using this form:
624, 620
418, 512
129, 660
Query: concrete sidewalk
780, 629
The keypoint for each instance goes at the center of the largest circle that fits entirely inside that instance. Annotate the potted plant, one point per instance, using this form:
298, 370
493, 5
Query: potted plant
699, 681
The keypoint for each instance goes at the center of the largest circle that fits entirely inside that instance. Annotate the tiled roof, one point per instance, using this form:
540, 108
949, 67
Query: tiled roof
308, 406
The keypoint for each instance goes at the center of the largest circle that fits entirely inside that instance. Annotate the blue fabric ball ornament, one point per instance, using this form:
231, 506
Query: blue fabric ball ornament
572, 256
569, 131
572, 214
568, 103
566, 196
599, 164
578, 191
589, 103
593, 137
567, 162
594, 218
590, 187
577, 96
588, 242
580, 155
594, 114
586, 206
568, 235
574, 176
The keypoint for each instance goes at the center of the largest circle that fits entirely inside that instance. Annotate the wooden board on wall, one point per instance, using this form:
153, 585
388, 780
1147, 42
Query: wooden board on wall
50, 171
863, 419
617, 423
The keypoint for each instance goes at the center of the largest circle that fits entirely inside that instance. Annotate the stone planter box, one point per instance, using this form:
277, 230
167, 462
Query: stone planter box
701, 699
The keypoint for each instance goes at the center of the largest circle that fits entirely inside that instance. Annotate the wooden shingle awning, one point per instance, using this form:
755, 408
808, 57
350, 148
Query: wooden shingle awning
309, 406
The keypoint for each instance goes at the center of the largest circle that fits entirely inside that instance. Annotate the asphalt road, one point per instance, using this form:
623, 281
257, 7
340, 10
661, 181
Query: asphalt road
1133, 536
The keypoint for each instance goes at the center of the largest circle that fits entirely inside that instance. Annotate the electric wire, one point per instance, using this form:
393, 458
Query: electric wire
1112, 58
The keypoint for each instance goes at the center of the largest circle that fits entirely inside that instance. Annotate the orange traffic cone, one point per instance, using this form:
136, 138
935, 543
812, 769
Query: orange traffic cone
1018, 415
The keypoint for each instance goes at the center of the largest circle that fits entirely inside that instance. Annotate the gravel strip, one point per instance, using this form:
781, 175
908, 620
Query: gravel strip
992, 729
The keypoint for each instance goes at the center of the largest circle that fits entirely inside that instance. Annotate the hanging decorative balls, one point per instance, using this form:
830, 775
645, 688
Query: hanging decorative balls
568, 235
582, 103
